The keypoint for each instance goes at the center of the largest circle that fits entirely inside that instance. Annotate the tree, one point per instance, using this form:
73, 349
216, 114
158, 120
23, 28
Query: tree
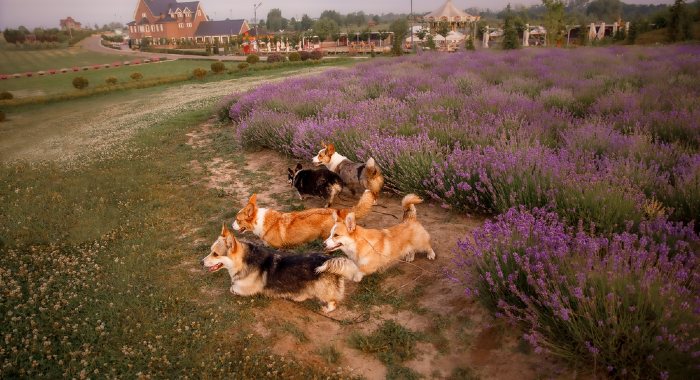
400, 29
306, 22
679, 23
443, 29
632, 34
326, 28
553, 19
510, 35
333, 15
293, 24
605, 10
275, 21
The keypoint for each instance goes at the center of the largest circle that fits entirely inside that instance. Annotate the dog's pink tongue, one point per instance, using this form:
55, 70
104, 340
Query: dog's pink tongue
214, 268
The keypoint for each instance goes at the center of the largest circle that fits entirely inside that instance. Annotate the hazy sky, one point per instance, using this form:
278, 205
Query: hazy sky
47, 13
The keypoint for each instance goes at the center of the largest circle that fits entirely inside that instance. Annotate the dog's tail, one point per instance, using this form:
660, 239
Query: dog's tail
341, 266
364, 205
374, 177
409, 209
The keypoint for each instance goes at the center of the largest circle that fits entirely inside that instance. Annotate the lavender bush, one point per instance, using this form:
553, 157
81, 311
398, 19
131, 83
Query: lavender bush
628, 303
597, 134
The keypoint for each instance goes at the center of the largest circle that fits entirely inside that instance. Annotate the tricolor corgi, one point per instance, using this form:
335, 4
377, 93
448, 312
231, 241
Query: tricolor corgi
373, 250
288, 229
321, 182
255, 269
356, 176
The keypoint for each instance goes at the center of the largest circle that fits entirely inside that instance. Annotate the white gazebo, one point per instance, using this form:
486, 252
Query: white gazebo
456, 18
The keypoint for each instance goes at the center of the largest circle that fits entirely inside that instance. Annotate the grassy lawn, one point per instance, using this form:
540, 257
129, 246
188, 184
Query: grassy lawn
660, 36
62, 83
18, 61
101, 278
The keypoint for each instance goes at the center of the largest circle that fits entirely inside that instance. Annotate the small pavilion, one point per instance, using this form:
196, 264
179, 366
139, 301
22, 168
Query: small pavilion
456, 18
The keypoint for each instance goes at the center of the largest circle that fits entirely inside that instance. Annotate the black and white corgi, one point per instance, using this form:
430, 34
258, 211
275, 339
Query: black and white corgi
315, 182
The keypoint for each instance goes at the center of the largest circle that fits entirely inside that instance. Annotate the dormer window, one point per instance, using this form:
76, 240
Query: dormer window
143, 14
179, 14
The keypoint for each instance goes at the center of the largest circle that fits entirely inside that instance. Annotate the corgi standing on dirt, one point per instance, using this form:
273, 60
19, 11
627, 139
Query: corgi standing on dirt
356, 176
288, 229
373, 250
255, 269
321, 182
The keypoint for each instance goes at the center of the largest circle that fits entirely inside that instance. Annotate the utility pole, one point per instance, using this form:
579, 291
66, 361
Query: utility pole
413, 47
255, 17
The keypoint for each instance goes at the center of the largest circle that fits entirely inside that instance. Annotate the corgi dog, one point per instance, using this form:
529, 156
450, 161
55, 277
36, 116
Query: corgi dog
373, 250
356, 176
322, 182
288, 229
260, 270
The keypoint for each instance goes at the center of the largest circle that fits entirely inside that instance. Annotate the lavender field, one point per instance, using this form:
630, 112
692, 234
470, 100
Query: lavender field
588, 159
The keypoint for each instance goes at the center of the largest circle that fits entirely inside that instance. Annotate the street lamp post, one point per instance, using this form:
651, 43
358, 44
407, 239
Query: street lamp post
413, 47
255, 17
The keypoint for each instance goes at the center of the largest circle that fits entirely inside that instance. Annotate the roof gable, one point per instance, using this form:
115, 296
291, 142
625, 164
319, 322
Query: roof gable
219, 28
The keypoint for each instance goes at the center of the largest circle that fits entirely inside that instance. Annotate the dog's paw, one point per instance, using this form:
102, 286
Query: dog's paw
358, 277
431, 255
329, 307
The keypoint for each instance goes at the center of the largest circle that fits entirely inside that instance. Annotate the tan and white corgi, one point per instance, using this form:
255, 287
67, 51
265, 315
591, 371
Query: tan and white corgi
255, 269
356, 176
373, 250
288, 229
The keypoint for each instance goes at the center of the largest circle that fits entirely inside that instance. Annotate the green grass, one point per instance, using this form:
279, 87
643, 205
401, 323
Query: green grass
660, 36
98, 282
392, 344
62, 83
18, 61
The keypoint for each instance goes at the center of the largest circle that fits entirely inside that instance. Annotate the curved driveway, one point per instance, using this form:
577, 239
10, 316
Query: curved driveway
92, 43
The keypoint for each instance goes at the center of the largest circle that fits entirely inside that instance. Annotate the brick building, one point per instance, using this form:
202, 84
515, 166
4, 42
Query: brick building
168, 21
69, 24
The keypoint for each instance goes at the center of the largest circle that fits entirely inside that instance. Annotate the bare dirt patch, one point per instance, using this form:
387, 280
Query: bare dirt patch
457, 333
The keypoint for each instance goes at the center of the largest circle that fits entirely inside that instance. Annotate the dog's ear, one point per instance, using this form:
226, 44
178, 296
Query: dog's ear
350, 222
290, 171
224, 231
330, 149
253, 199
323, 144
299, 167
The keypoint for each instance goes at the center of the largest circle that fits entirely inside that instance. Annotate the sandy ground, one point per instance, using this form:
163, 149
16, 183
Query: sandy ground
473, 338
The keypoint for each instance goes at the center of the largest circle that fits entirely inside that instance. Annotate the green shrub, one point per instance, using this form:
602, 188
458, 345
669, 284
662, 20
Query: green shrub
316, 55
218, 67
136, 76
252, 59
305, 55
294, 57
272, 58
243, 66
80, 83
5, 95
199, 73
111, 81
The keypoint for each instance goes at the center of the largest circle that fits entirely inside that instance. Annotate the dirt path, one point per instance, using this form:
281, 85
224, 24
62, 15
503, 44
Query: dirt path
95, 127
460, 338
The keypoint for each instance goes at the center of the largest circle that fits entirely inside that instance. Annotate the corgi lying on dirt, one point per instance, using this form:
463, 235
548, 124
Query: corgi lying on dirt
373, 250
356, 176
322, 182
288, 229
255, 269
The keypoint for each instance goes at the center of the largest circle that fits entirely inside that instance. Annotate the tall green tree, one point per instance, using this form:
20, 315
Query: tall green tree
400, 29
553, 19
510, 34
326, 28
275, 21
306, 23
680, 22
604, 10
333, 15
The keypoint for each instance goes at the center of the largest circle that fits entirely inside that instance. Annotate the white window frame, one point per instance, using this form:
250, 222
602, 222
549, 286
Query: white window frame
143, 14
189, 24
